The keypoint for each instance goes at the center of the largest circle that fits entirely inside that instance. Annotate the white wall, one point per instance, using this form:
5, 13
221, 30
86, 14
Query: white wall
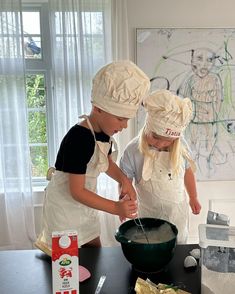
189, 14
178, 13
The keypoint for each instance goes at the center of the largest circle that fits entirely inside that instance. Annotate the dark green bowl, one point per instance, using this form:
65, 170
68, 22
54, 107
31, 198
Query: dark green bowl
143, 256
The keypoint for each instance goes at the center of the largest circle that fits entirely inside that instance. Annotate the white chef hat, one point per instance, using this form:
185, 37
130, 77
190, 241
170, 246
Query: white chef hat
167, 114
119, 88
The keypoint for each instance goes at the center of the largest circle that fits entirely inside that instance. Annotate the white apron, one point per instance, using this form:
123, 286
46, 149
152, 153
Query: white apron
62, 212
161, 194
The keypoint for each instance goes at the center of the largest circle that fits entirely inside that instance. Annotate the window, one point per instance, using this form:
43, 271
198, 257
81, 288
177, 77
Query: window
93, 50
32, 34
38, 87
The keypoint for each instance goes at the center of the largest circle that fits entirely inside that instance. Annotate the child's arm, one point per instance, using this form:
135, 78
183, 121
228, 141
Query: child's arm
190, 185
125, 184
126, 189
80, 193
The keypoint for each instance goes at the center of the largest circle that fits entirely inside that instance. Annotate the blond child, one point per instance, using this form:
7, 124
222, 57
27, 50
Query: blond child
159, 162
71, 200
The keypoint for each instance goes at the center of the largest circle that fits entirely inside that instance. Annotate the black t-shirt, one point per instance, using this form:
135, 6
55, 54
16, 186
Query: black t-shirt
77, 148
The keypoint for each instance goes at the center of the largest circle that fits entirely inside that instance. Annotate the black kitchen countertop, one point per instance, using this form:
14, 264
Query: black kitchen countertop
29, 271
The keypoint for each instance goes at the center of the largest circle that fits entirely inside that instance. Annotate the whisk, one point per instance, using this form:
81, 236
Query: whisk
142, 228
140, 223
126, 197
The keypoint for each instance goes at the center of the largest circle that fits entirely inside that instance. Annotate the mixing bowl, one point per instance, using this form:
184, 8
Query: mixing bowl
151, 254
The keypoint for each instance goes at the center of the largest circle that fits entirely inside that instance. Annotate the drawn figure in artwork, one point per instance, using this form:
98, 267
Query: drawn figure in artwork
205, 89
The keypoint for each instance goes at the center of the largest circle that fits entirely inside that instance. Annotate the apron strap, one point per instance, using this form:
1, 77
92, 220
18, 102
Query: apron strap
114, 154
148, 164
89, 124
92, 130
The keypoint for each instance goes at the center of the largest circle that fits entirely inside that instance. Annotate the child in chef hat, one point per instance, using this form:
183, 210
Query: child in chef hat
159, 161
71, 200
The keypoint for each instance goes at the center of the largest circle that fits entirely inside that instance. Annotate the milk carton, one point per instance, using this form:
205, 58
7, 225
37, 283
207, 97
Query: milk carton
65, 279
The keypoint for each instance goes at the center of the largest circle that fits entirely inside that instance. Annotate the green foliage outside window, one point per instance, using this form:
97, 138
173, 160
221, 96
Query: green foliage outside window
36, 101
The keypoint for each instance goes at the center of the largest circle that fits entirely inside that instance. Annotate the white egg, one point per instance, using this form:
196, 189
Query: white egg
195, 253
190, 261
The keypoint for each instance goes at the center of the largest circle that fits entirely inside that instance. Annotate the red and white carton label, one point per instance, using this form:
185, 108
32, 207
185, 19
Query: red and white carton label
65, 273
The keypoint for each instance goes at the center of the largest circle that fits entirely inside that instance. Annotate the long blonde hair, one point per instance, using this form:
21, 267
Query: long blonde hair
177, 151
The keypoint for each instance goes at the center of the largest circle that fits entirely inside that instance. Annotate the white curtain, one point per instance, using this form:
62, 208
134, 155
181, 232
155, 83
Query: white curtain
81, 44
120, 36
120, 49
17, 228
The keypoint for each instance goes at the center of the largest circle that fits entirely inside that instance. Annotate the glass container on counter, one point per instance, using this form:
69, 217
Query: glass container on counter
217, 245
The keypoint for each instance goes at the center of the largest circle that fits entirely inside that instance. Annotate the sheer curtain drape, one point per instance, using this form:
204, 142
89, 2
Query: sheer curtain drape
120, 49
81, 44
16, 206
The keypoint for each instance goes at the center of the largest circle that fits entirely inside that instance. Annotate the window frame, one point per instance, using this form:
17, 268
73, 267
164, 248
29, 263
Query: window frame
43, 66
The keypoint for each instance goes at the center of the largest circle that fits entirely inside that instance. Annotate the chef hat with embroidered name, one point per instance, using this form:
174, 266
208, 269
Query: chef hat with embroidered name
167, 114
119, 88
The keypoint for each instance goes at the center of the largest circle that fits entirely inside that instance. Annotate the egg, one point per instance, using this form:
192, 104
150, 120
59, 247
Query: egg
195, 253
190, 261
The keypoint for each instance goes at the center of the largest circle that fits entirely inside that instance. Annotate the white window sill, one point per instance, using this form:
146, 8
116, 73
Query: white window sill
38, 195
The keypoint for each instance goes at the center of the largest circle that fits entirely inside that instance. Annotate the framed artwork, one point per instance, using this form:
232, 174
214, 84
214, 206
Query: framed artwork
198, 64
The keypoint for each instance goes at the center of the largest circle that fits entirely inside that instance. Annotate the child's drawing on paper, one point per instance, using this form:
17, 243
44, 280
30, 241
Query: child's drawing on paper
198, 63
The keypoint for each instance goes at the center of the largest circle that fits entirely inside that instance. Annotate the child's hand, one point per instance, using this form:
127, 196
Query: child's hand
126, 197
121, 197
126, 208
195, 205
126, 188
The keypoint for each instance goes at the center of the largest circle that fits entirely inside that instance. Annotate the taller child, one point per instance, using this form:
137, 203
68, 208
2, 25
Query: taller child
71, 200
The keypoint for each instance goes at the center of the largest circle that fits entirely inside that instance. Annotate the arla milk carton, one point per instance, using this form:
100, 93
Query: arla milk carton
65, 273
